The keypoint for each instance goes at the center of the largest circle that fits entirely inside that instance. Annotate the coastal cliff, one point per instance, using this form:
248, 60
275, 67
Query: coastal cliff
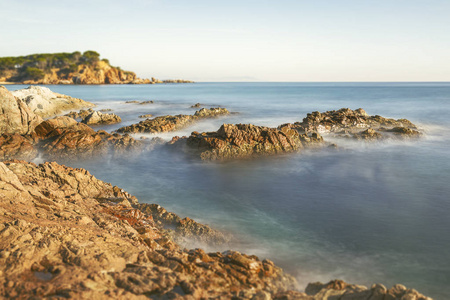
68, 68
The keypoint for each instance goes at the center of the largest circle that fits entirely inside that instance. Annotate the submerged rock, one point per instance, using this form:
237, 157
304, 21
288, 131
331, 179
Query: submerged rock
172, 123
98, 118
45, 103
246, 140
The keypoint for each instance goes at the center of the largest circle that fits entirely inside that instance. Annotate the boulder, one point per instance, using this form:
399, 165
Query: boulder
15, 116
98, 118
45, 103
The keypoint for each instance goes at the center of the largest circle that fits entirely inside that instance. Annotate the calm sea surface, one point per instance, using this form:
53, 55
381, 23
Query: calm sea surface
369, 212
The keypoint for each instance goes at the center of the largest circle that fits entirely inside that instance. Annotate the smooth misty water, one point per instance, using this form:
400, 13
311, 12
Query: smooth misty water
370, 212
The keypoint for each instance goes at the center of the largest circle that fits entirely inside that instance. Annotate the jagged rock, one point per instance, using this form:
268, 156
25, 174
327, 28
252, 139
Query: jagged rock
97, 118
65, 233
132, 101
184, 228
171, 123
83, 113
146, 102
146, 116
246, 140
338, 289
55, 126
15, 116
196, 105
45, 103
16, 146
348, 120
368, 134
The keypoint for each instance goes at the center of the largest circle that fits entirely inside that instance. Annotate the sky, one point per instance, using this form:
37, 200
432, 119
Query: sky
246, 40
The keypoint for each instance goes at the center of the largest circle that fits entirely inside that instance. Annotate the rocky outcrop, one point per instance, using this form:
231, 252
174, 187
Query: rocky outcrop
172, 123
83, 113
196, 105
64, 233
15, 116
338, 289
17, 146
65, 137
45, 103
146, 116
355, 123
184, 229
247, 140
98, 118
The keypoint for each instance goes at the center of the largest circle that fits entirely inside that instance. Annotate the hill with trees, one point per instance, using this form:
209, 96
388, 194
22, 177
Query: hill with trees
67, 68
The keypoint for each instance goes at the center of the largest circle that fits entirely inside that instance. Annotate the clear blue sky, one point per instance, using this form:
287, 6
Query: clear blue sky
246, 40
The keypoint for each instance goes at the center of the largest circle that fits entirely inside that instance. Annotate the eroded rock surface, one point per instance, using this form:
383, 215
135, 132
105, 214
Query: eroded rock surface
338, 289
247, 140
83, 113
45, 103
98, 118
64, 233
172, 123
356, 123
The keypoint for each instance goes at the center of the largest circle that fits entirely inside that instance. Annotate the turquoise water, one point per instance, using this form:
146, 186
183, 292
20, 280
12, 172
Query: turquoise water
370, 212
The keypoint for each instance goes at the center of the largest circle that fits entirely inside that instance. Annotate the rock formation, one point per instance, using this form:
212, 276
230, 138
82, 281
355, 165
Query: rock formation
98, 118
247, 140
83, 113
355, 123
45, 103
15, 116
338, 289
64, 233
172, 123
65, 137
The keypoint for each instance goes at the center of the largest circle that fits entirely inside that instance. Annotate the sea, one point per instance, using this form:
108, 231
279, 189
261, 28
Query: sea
366, 212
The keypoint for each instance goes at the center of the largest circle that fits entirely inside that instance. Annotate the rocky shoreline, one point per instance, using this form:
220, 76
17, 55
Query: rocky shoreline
65, 233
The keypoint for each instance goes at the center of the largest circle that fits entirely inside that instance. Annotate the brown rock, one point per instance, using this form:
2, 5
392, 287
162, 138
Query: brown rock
16, 146
172, 123
246, 140
65, 235
98, 118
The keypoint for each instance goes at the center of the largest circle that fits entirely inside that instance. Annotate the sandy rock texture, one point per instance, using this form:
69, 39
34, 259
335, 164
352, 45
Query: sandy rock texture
172, 123
45, 103
64, 233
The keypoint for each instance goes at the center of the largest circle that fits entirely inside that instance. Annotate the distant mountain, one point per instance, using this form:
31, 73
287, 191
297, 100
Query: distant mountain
68, 68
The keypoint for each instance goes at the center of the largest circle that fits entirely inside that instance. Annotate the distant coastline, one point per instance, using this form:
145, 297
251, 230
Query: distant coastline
69, 69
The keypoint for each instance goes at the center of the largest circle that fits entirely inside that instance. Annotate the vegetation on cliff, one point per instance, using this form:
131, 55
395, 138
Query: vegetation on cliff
67, 68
